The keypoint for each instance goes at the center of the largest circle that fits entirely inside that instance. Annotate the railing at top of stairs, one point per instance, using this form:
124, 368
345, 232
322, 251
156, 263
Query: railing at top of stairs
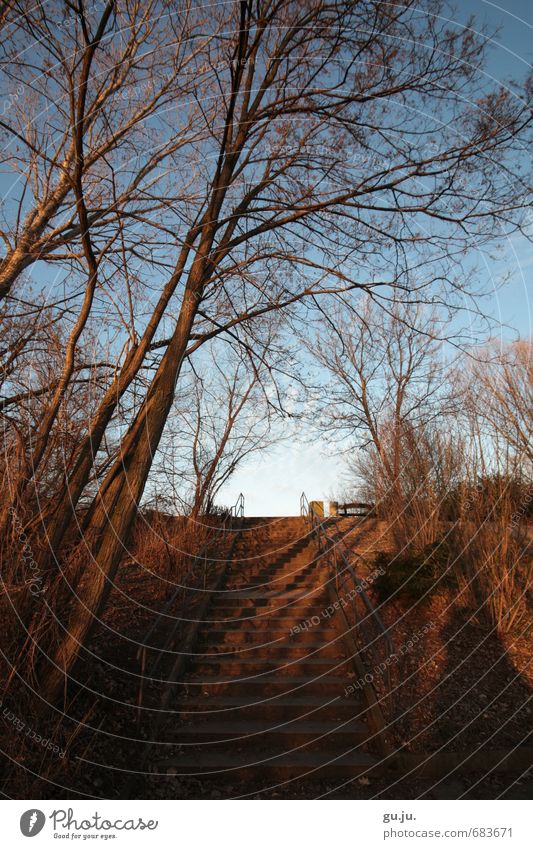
237, 511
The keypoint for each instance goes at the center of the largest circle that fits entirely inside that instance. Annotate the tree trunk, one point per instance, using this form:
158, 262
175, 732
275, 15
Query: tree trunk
116, 504
59, 519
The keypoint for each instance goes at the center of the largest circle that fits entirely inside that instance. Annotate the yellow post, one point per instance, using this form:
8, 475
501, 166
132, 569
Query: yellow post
317, 508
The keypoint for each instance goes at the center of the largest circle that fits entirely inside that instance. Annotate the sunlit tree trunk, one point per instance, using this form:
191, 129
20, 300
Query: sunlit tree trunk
114, 507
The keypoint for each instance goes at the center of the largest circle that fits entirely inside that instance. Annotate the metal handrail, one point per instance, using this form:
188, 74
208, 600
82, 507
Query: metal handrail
332, 545
238, 508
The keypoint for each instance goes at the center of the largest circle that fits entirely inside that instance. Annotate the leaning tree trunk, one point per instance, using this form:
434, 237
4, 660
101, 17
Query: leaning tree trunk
59, 519
116, 504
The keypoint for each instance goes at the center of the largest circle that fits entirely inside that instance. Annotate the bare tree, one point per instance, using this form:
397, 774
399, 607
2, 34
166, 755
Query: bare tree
304, 164
32, 363
490, 548
503, 396
85, 86
231, 420
387, 370
386, 387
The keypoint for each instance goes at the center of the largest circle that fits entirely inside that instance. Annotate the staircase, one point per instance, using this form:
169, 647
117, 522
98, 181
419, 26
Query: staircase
264, 700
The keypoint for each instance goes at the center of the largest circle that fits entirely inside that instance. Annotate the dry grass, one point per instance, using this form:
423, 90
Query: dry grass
492, 561
38, 739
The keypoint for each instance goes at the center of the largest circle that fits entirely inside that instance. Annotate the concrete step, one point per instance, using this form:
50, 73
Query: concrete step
267, 685
258, 734
259, 615
275, 550
278, 707
273, 577
297, 610
292, 579
243, 667
284, 650
275, 622
232, 598
314, 766
237, 636
292, 585
274, 547
304, 560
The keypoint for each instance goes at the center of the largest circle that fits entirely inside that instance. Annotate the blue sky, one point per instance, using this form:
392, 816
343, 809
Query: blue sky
273, 483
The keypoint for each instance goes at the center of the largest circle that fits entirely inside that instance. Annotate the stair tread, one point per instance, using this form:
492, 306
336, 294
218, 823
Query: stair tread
331, 662
309, 759
256, 726
269, 678
280, 699
269, 633
280, 621
263, 610
239, 594
261, 646
293, 644
256, 619
254, 675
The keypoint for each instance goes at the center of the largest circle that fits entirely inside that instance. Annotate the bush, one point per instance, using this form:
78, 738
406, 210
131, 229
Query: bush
413, 575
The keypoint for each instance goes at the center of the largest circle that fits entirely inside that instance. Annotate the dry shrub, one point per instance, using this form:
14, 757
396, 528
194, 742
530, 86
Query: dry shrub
169, 546
410, 481
164, 545
36, 738
492, 560
35, 607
